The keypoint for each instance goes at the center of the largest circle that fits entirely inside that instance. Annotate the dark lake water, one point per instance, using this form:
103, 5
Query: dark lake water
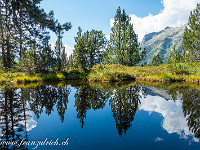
81, 116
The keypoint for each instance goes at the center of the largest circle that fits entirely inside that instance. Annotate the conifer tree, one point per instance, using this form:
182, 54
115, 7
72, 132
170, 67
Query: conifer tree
46, 55
59, 48
191, 39
22, 24
80, 51
175, 57
123, 40
156, 60
89, 48
94, 43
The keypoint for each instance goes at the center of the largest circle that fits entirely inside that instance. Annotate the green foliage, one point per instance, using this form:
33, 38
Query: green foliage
106, 73
23, 35
52, 76
88, 49
156, 60
175, 57
191, 39
61, 56
80, 51
27, 79
94, 44
29, 61
22, 24
47, 60
124, 45
76, 74
179, 69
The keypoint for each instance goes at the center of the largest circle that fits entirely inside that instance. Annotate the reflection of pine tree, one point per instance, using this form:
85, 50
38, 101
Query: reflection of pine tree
12, 114
82, 103
124, 104
62, 100
42, 97
87, 98
191, 104
46, 97
98, 98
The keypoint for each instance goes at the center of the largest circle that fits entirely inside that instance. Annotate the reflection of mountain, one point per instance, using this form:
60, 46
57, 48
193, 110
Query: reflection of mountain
17, 107
154, 91
174, 120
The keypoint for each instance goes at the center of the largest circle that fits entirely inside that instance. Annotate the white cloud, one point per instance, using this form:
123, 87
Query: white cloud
174, 14
68, 49
174, 120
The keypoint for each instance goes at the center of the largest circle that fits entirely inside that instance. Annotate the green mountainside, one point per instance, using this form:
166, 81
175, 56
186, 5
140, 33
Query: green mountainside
163, 42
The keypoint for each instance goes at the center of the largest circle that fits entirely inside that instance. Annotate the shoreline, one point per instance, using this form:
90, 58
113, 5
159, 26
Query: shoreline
111, 73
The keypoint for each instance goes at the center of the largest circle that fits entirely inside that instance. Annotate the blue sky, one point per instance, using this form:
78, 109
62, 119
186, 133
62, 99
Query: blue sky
147, 15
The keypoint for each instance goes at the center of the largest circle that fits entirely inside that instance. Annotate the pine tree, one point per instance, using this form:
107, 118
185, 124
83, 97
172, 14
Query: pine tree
22, 24
175, 57
133, 56
89, 48
59, 48
80, 51
94, 43
191, 39
46, 55
156, 60
123, 40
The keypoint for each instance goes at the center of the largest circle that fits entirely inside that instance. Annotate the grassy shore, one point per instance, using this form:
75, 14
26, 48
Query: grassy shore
111, 73
163, 73
20, 77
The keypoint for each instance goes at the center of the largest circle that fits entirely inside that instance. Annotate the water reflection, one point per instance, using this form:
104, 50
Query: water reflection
124, 104
44, 98
191, 109
178, 106
87, 98
12, 113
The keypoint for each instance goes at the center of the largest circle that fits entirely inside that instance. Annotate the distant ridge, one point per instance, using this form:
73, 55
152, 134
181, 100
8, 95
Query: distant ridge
163, 42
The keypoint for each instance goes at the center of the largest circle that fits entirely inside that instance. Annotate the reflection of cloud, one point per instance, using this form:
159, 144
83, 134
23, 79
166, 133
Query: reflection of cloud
174, 120
158, 139
30, 122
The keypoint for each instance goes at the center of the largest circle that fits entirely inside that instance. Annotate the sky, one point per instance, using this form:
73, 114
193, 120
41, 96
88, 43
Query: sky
146, 15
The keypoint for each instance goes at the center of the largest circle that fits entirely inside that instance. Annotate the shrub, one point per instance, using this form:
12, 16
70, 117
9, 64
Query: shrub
181, 69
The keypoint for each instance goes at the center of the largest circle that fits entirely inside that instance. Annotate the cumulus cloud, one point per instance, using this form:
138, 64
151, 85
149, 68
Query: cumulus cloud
68, 49
174, 120
174, 14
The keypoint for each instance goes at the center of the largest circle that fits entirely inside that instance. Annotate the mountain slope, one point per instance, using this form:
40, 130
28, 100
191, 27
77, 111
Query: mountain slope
163, 42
